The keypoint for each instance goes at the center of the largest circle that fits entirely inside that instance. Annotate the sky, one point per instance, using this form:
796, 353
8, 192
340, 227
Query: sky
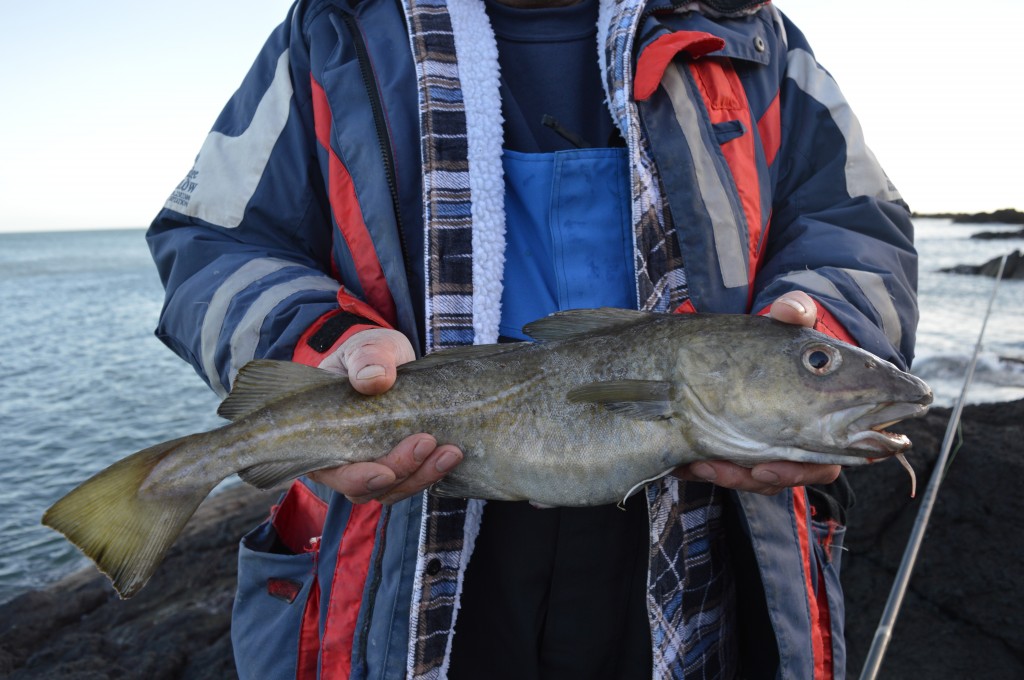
106, 104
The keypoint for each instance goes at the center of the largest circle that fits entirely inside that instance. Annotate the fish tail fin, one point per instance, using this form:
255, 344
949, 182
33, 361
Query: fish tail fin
121, 527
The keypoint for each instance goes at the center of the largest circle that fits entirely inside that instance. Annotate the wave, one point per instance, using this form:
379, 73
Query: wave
996, 377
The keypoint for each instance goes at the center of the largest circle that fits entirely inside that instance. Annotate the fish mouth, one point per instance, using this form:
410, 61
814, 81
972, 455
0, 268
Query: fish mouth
867, 432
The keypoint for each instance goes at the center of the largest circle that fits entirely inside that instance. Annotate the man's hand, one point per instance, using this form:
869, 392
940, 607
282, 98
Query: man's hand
795, 308
370, 358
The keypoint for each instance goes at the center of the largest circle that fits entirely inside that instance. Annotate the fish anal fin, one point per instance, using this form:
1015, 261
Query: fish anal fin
262, 382
636, 399
574, 322
269, 475
453, 486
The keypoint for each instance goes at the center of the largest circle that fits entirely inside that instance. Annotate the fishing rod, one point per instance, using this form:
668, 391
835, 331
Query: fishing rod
883, 634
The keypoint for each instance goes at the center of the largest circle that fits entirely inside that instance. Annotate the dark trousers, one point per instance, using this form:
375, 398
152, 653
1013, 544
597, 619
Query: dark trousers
556, 593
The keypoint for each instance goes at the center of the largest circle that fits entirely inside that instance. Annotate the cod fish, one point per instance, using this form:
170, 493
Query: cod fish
603, 402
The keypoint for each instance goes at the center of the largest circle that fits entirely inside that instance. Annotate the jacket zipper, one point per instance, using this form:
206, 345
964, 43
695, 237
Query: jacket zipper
383, 139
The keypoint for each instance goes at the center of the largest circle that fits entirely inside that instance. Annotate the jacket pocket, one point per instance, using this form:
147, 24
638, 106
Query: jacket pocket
275, 620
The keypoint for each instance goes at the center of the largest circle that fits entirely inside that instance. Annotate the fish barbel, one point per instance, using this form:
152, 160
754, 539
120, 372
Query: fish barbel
604, 401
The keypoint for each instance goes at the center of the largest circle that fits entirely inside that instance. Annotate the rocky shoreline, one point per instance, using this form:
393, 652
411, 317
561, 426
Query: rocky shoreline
1012, 269
177, 627
962, 616
1003, 216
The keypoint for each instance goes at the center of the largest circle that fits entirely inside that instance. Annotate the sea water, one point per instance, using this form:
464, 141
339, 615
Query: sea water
953, 310
84, 382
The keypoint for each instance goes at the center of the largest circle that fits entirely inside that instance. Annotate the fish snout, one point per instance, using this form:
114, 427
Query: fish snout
918, 391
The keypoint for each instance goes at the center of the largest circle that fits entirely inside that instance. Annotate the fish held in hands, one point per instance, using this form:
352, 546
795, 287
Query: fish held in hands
604, 401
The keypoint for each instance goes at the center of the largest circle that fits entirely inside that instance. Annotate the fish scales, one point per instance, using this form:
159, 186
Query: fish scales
603, 401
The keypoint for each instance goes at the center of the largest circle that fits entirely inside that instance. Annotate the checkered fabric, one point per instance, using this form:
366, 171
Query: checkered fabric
690, 588
444, 148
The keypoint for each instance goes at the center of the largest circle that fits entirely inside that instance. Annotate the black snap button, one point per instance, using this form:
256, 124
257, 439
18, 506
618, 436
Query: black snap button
433, 567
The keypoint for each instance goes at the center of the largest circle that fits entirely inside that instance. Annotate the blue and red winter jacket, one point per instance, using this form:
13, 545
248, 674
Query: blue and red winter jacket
302, 220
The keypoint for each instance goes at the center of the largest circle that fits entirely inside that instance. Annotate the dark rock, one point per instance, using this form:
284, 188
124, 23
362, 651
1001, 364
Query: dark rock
962, 614
997, 235
1003, 216
177, 627
1014, 268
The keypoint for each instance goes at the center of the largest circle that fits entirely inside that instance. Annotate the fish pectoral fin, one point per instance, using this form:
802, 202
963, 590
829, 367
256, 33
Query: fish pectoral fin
262, 382
636, 399
573, 322
269, 475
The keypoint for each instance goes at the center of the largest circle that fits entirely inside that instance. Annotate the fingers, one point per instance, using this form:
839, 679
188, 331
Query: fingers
442, 460
370, 358
765, 478
412, 466
795, 307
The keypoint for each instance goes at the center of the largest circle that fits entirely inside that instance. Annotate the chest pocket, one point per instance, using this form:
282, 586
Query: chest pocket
569, 241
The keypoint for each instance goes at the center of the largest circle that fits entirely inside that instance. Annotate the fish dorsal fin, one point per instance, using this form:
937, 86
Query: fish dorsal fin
262, 382
462, 353
636, 399
574, 322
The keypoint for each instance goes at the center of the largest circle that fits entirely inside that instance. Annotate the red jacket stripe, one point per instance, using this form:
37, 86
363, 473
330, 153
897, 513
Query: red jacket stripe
769, 129
817, 608
309, 636
350, 572
348, 215
726, 100
299, 522
656, 57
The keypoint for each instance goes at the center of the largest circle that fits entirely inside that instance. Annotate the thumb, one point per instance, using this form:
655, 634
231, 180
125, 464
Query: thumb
795, 307
371, 358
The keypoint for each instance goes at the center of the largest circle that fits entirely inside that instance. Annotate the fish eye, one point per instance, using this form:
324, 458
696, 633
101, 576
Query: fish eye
821, 359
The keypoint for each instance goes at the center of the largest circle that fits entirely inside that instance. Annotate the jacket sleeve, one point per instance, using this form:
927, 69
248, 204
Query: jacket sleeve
243, 243
840, 231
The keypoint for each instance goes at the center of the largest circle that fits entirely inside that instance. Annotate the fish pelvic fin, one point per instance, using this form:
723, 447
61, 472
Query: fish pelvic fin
125, 533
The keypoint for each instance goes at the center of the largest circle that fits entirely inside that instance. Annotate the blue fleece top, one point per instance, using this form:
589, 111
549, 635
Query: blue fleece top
569, 241
548, 60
